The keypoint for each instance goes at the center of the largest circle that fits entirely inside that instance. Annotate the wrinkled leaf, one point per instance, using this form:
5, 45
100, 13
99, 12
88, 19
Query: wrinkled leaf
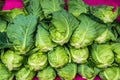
43, 40
50, 6
21, 32
76, 7
63, 25
85, 33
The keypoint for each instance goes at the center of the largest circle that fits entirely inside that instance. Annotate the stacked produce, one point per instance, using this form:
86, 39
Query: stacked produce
43, 40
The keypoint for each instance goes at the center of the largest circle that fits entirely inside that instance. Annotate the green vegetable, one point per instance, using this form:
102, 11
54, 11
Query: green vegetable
4, 42
25, 74
88, 72
37, 61
43, 40
102, 55
47, 74
9, 15
5, 74
112, 73
11, 59
85, 33
21, 32
58, 57
63, 25
116, 50
67, 72
34, 8
76, 7
51, 6
3, 25
104, 34
79, 55
105, 13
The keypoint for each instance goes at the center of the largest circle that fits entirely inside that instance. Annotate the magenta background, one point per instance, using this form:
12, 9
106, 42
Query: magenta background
10, 4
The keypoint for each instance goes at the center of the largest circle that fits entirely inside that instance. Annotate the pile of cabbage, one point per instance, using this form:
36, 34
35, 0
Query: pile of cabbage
43, 40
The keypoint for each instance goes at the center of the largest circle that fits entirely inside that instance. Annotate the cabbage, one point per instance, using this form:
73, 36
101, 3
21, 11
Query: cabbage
112, 73
12, 59
116, 50
68, 72
21, 32
76, 7
43, 40
62, 26
102, 55
47, 74
79, 55
5, 74
37, 61
88, 72
85, 33
58, 57
25, 74
104, 34
105, 13
51, 6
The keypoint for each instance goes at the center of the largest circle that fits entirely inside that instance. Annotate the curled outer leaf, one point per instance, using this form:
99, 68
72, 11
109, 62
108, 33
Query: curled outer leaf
51, 6
77, 7
34, 8
21, 32
85, 33
43, 40
63, 25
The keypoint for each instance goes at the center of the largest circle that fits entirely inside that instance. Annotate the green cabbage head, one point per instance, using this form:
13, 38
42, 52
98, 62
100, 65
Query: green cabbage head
88, 72
102, 55
85, 33
25, 74
116, 50
12, 59
112, 73
58, 57
68, 72
5, 74
47, 73
79, 55
105, 13
37, 61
